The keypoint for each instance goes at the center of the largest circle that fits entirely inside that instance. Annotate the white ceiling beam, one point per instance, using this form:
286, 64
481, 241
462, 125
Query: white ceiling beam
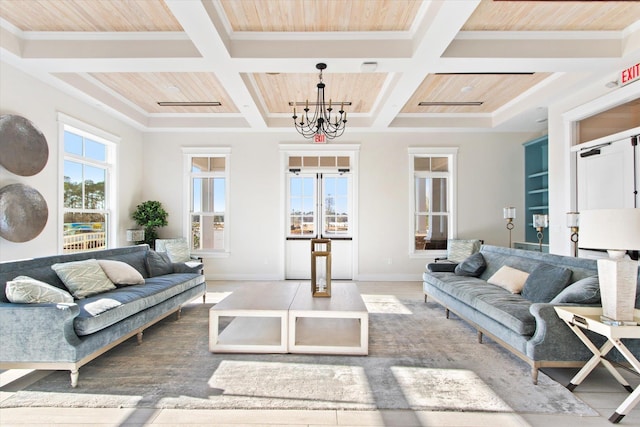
440, 24
198, 23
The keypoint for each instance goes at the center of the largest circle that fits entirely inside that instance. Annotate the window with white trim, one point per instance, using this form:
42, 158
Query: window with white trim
208, 200
432, 174
88, 163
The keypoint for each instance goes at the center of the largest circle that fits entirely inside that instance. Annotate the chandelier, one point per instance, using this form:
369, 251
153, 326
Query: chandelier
322, 122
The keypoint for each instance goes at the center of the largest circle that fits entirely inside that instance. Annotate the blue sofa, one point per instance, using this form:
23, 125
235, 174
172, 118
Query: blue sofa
67, 336
531, 330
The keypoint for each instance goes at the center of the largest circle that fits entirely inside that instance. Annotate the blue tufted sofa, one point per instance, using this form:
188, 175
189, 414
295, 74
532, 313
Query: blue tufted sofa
531, 330
67, 336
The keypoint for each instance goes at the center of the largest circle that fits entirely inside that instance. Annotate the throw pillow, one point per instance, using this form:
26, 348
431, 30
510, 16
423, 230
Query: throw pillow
121, 273
509, 278
472, 266
187, 267
178, 250
26, 290
545, 282
83, 278
158, 264
584, 291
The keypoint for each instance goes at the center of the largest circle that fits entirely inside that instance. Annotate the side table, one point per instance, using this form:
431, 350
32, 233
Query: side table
588, 318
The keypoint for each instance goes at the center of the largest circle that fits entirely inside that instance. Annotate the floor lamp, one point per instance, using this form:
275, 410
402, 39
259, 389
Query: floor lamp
540, 222
616, 230
509, 214
573, 222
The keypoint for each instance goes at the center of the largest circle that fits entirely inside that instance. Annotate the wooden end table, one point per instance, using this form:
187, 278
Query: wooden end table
588, 318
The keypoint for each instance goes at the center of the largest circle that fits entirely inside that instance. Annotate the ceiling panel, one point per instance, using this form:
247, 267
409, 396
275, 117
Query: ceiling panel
553, 15
321, 15
89, 15
493, 90
147, 89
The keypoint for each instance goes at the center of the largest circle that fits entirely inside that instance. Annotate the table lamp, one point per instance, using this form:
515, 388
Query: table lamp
616, 230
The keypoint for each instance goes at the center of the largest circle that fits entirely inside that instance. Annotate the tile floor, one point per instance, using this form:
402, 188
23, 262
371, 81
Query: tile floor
599, 390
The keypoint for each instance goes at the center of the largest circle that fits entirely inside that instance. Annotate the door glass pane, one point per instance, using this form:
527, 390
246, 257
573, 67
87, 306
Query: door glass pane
301, 205
336, 206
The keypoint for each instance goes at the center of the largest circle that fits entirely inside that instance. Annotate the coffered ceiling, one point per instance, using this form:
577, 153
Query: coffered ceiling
472, 64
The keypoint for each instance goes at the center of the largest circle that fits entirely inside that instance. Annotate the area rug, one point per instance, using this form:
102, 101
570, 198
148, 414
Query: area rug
417, 360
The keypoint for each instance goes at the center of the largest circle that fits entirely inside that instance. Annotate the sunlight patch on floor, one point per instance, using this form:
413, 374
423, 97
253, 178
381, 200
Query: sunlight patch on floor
447, 389
384, 304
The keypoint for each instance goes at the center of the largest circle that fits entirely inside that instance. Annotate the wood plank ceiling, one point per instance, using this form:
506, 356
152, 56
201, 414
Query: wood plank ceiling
255, 57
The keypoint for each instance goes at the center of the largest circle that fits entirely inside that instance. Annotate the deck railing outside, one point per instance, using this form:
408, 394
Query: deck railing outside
84, 242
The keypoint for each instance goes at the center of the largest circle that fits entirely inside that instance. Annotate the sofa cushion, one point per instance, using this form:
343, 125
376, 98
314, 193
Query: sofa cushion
585, 291
178, 250
509, 278
472, 266
545, 282
121, 273
511, 310
83, 278
26, 290
101, 311
158, 264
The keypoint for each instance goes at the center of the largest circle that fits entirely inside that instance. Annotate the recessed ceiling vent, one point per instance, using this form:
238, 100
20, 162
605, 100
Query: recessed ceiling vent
190, 104
450, 104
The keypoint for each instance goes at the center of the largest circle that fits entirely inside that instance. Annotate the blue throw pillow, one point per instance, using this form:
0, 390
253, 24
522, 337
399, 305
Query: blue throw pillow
545, 282
584, 291
473, 266
158, 264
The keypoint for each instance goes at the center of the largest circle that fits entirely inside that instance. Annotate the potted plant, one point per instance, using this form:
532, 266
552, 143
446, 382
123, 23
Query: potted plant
150, 215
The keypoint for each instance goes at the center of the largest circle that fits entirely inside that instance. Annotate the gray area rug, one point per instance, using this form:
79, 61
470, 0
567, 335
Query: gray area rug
417, 360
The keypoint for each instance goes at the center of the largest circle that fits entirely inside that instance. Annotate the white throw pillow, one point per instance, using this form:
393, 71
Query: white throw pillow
83, 278
26, 290
121, 273
509, 278
178, 251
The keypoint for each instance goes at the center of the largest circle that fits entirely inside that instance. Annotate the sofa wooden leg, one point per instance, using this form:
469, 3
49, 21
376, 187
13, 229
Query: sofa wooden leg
179, 312
425, 297
204, 298
479, 337
446, 312
74, 377
534, 375
139, 337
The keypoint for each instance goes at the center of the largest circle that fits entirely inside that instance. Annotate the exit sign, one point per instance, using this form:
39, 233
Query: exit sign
319, 138
630, 74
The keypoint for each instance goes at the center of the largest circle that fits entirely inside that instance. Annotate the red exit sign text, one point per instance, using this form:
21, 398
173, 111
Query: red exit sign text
630, 74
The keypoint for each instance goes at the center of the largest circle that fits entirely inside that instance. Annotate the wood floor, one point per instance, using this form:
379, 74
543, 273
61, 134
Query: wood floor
599, 390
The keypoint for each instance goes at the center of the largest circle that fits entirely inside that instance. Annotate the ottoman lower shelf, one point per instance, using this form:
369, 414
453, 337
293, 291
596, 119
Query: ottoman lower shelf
327, 336
251, 334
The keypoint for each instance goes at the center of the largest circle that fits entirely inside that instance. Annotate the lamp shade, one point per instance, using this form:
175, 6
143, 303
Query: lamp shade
509, 213
611, 229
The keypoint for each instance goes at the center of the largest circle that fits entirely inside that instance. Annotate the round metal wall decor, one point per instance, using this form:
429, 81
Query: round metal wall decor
23, 148
23, 213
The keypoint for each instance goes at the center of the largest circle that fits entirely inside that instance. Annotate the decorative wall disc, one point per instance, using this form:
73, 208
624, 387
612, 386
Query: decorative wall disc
23, 148
23, 213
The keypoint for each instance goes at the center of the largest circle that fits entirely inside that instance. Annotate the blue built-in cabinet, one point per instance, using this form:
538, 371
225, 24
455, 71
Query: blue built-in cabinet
536, 185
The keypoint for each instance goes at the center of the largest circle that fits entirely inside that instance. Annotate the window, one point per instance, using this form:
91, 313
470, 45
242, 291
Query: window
208, 195
87, 182
432, 174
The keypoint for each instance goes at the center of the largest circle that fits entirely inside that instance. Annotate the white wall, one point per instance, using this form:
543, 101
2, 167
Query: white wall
26, 96
490, 172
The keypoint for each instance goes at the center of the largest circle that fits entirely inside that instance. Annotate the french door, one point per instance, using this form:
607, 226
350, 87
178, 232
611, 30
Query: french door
319, 205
